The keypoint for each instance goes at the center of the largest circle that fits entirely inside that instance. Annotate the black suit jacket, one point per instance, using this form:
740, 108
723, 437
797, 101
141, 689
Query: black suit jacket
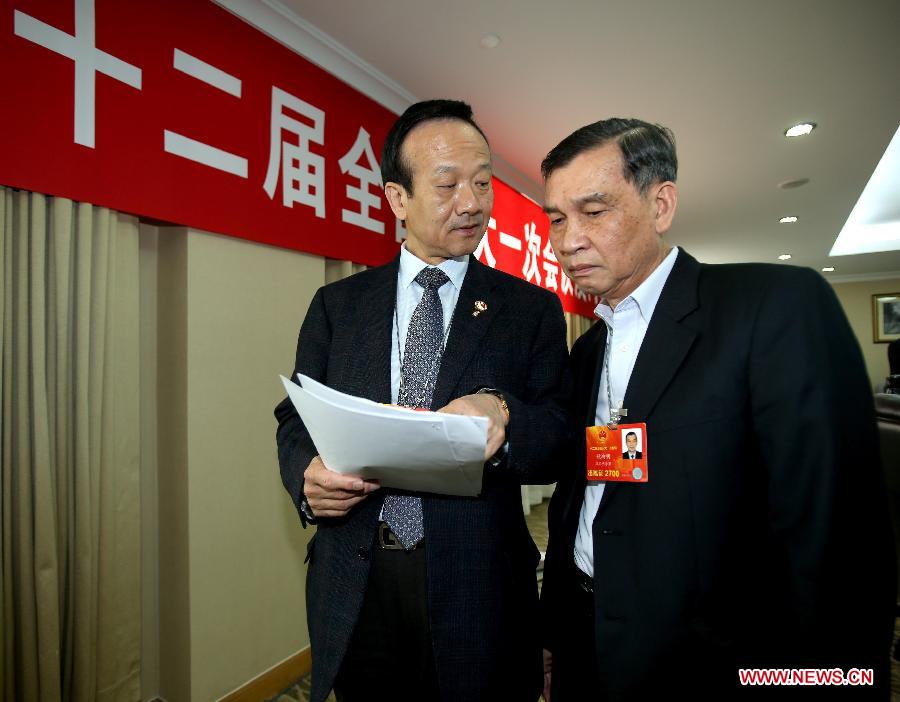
637, 454
761, 538
481, 560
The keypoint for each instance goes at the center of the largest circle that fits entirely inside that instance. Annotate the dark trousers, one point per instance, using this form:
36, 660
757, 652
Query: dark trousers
574, 676
390, 656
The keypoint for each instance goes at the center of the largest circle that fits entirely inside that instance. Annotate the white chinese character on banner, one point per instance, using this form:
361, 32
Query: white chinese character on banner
550, 267
510, 241
484, 246
551, 270
548, 252
89, 60
302, 171
197, 151
532, 252
567, 287
368, 176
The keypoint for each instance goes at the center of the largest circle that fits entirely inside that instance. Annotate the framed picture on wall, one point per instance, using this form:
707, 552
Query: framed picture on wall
885, 317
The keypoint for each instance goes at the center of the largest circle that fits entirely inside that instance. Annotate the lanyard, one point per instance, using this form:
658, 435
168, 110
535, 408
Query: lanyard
615, 413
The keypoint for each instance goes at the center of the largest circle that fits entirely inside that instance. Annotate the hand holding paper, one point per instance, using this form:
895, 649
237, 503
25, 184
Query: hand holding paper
333, 494
482, 405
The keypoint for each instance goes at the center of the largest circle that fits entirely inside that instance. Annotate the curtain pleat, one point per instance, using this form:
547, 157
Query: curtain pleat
7, 622
336, 269
70, 451
576, 325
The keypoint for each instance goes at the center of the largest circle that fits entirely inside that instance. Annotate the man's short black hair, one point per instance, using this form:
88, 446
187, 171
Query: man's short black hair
394, 167
647, 149
631, 433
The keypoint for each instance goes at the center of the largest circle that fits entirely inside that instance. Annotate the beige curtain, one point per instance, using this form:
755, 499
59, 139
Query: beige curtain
70, 586
338, 270
576, 325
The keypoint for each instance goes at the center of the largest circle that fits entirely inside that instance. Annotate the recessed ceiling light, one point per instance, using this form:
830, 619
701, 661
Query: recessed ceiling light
490, 41
800, 129
784, 257
788, 220
829, 269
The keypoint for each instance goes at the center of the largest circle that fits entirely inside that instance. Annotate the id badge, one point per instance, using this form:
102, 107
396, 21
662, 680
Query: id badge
617, 455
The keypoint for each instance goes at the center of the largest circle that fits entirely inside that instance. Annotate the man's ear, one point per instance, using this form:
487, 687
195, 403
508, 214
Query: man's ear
666, 199
397, 198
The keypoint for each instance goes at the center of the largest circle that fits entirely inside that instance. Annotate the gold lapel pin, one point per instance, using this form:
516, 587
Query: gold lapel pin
480, 306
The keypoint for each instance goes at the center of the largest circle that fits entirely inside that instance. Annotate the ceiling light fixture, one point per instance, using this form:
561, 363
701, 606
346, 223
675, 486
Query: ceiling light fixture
784, 257
788, 220
874, 222
829, 269
800, 129
490, 41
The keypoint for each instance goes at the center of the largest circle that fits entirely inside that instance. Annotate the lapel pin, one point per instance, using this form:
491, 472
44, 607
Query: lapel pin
480, 306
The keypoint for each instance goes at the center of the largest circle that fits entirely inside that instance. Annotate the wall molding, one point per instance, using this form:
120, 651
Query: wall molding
268, 684
862, 277
291, 30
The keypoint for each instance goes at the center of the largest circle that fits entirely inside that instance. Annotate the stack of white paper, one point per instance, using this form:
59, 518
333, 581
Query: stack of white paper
403, 448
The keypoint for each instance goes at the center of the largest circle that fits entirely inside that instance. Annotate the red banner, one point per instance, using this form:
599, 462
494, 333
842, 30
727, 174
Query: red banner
179, 111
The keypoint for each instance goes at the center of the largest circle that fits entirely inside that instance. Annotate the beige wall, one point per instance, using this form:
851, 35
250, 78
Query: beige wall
231, 573
856, 299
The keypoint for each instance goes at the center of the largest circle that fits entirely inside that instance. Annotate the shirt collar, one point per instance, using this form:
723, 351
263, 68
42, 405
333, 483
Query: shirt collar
646, 295
411, 265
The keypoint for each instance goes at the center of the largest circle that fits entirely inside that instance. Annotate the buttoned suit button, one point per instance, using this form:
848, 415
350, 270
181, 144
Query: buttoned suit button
363, 552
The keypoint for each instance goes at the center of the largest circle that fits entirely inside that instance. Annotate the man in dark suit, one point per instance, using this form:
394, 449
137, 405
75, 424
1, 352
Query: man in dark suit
422, 596
760, 539
631, 453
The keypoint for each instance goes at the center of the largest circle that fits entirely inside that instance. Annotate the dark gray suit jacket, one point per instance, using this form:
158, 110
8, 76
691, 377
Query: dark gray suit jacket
481, 561
761, 538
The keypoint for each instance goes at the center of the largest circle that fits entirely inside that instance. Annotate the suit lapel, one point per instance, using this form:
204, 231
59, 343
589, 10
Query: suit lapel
597, 351
372, 342
467, 329
663, 350
667, 341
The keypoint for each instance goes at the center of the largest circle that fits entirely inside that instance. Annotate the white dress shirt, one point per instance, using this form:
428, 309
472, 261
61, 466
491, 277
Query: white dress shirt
627, 325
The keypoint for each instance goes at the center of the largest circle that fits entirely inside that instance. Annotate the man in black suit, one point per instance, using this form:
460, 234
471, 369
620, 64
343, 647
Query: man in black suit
760, 539
631, 453
422, 596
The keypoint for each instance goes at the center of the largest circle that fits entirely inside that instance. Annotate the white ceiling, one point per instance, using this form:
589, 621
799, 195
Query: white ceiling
727, 77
